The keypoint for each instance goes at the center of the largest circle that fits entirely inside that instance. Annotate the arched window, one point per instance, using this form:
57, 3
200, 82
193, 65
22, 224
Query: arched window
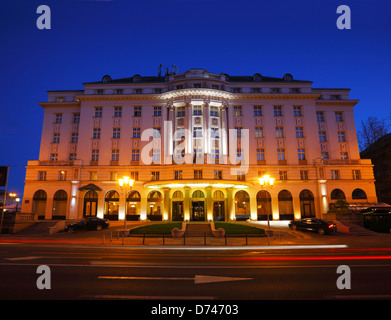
111, 205
39, 204
133, 206
337, 194
242, 205
285, 205
359, 194
60, 200
177, 194
264, 205
307, 204
198, 194
155, 206
218, 195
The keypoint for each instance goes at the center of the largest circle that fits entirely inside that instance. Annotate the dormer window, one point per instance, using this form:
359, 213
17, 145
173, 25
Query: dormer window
137, 78
288, 77
257, 77
106, 79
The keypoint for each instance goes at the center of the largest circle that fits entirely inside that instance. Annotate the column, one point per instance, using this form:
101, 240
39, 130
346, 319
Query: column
209, 204
206, 132
230, 205
168, 134
101, 205
186, 204
166, 204
253, 208
223, 139
189, 136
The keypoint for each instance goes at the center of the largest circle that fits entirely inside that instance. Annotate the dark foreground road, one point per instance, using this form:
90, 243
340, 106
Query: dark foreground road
93, 272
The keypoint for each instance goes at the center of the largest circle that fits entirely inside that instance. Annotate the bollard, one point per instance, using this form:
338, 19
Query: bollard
163, 238
246, 240
144, 239
184, 239
225, 239
204, 238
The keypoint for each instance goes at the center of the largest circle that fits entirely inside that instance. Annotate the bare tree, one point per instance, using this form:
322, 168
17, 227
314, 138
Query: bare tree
371, 130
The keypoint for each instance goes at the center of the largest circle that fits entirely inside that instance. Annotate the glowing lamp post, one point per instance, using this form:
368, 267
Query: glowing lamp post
265, 181
125, 183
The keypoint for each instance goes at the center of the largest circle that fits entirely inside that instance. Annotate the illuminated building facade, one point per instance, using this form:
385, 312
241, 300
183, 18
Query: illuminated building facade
196, 144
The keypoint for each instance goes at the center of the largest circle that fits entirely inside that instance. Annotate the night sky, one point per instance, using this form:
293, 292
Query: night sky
91, 38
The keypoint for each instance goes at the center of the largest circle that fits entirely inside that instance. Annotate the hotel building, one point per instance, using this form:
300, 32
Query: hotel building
196, 144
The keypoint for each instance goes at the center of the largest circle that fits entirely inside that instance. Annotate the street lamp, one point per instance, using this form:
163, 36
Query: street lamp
265, 181
17, 202
124, 184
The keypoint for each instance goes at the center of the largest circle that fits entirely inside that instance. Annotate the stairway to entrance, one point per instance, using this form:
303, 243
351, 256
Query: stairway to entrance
198, 230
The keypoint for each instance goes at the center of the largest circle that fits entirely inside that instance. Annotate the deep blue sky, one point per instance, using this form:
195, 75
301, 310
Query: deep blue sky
91, 38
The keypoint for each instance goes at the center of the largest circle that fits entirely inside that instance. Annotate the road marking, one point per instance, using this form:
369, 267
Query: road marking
198, 279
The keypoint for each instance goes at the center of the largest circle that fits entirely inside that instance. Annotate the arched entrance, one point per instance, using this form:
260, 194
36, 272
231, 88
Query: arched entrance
218, 206
111, 205
90, 203
198, 206
242, 206
133, 206
359, 194
307, 204
264, 205
177, 206
285, 205
39, 204
154, 206
60, 201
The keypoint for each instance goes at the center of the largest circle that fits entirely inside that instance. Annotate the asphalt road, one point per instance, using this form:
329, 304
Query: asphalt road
99, 272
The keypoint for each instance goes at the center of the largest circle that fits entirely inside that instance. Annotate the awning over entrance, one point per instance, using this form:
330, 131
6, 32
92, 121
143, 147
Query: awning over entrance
90, 186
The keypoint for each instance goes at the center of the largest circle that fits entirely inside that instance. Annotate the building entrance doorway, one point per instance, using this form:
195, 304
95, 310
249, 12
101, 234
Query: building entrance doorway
90, 204
197, 211
177, 211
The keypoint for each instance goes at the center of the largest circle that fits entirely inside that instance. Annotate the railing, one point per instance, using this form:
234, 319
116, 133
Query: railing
24, 217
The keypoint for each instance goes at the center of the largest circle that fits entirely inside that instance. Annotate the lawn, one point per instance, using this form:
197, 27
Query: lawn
157, 228
238, 228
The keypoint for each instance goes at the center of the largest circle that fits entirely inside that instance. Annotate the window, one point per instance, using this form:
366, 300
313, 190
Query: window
118, 91
258, 132
335, 175
180, 133
116, 133
215, 154
283, 175
158, 90
95, 155
338, 116
260, 154
96, 133
113, 176
214, 112
197, 111
137, 112
299, 132
295, 90
214, 133
257, 111
277, 111
301, 154
58, 118
76, 118
93, 175
135, 155
275, 90
356, 174
279, 132
180, 112
136, 133
335, 97
197, 174
197, 85
341, 136
238, 131
99, 91
255, 90
178, 175
179, 87
156, 155
74, 137
117, 112
72, 156
304, 174
322, 136
56, 138
281, 154
155, 175
241, 176
53, 156
297, 111
325, 155
239, 154
134, 175
138, 91
320, 116
197, 132
236, 90
156, 133
217, 174
62, 176
98, 112
198, 152
41, 175
114, 155
157, 111
238, 111
344, 156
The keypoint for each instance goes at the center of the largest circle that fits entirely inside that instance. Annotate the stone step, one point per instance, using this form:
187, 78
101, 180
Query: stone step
198, 230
